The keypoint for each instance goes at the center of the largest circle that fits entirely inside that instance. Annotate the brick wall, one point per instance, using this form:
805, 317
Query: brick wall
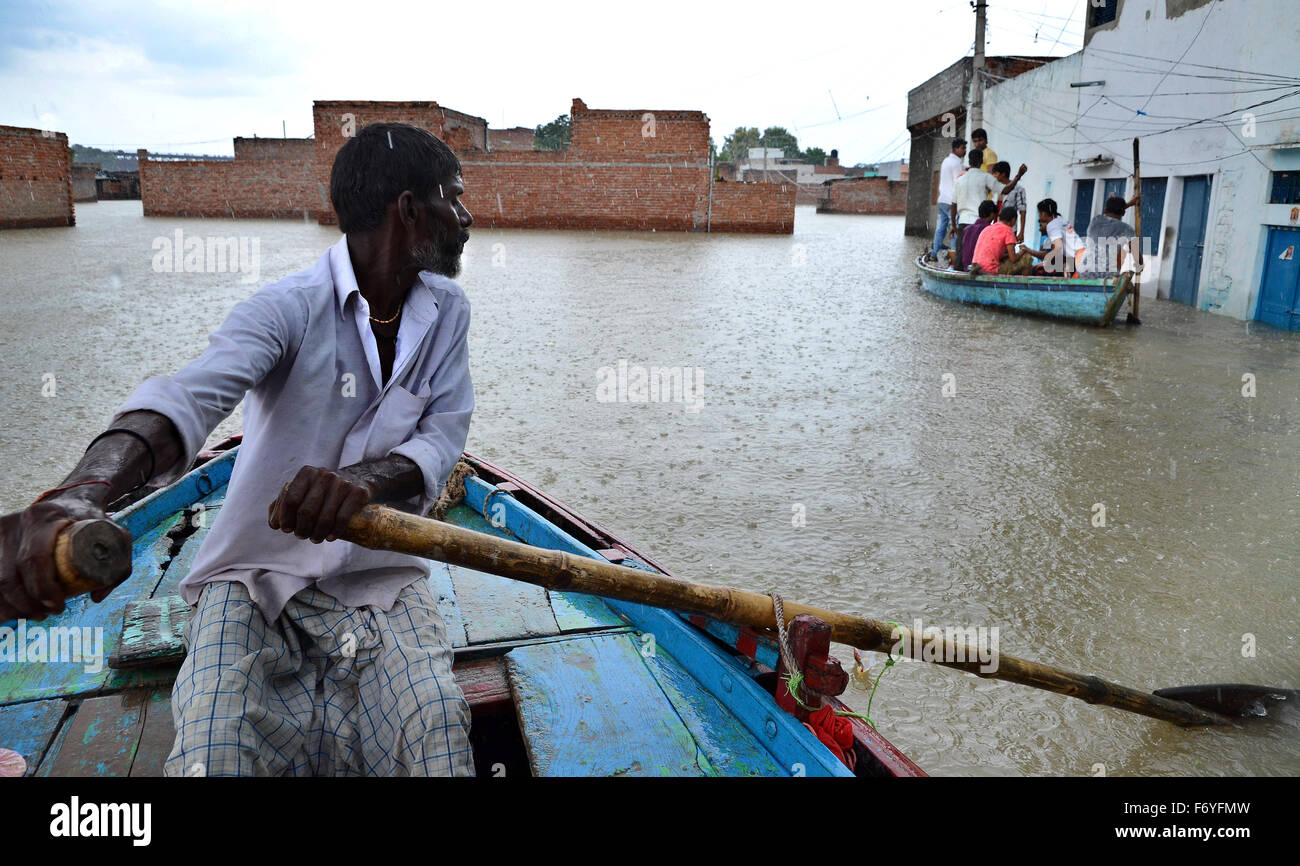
562, 190
515, 138
297, 149
250, 188
35, 179
866, 195
754, 207
624, 169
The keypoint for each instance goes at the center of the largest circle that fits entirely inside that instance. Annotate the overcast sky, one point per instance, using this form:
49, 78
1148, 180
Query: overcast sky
172, 76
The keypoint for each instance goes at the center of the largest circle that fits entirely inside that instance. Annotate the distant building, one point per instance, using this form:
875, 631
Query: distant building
83, 181
771, 165
936, 113
117, 185
515, 138
896, 170
613, 175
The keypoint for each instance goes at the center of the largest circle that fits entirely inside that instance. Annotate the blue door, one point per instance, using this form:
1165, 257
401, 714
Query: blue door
1191, 239
1082, 206
1279, 290
1114, 186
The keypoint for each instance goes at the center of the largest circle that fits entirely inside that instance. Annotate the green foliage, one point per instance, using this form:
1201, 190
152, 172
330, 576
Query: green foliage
780, 137
109, 160
815, 155
553, 135
735, 147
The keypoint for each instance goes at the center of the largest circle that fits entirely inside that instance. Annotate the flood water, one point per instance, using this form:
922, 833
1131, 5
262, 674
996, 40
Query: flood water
824, 369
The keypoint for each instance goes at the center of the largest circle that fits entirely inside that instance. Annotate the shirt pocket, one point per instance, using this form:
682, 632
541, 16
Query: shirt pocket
396, 419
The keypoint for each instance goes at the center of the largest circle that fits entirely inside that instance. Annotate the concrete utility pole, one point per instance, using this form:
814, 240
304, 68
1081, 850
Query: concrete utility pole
977, 74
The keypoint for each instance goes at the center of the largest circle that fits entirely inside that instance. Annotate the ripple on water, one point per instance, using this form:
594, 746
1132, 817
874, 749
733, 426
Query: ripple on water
823, 389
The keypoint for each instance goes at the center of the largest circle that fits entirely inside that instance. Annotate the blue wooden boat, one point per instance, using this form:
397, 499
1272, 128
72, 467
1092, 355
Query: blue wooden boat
559, 684
1089, 301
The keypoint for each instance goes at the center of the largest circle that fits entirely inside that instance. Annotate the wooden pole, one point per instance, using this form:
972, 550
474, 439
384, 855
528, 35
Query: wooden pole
382, 528
1137, 226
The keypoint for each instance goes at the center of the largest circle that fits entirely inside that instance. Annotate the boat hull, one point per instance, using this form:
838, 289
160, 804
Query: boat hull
1089, 302
558, 683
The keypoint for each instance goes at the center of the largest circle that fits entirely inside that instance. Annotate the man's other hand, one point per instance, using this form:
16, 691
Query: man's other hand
318, 502
29, 585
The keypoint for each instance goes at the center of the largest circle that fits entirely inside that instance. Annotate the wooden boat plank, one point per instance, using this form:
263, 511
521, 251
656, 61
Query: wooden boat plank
178, 568
29, 727
590, 707
448, 605
577, 612
730, 748
573, 611
484, 682
793, 747
791, 744
497, 608
101, 738
502, 648
156, 736
20, 682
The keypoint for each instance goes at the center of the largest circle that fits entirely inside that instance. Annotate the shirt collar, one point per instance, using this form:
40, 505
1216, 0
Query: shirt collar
421, 301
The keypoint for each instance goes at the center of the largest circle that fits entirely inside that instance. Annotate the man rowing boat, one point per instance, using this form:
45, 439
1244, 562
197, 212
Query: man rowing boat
324, 659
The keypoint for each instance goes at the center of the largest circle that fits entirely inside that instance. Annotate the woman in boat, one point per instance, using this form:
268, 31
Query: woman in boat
307, 660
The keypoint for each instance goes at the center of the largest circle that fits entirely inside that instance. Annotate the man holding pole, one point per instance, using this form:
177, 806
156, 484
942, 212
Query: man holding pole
325, 659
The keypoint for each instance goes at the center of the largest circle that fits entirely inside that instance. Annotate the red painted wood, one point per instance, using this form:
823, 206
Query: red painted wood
484, 683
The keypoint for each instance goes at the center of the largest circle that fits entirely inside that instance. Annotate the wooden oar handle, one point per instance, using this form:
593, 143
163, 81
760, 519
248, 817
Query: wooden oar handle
90, 555
381, 528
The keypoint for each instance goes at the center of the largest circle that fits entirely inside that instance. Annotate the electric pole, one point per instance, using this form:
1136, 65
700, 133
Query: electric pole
977, 76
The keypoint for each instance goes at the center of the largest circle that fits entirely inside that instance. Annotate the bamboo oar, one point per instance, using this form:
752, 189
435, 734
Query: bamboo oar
94, 554
382, 528
1137, 226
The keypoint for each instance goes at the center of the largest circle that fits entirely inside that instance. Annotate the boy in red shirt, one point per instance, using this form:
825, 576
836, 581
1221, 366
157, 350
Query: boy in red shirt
995, 251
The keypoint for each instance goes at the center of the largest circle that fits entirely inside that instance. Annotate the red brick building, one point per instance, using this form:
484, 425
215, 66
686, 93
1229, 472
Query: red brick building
623, 169
35, 179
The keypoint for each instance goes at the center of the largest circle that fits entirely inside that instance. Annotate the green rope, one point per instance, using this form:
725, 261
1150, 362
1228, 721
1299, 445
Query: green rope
794, 680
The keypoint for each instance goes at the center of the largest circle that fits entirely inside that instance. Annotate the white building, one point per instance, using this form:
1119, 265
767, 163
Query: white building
1212, 89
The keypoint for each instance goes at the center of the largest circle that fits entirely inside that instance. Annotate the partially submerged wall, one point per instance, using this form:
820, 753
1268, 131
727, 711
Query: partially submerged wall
35, 179
865, 195
624, 169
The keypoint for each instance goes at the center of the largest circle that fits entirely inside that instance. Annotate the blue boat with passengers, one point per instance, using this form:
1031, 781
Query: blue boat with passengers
1088, 301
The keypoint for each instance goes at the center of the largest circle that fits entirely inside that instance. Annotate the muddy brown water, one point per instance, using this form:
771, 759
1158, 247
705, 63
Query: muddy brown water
857, 444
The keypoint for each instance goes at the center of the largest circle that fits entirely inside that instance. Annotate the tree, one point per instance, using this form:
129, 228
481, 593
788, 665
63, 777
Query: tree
735, 147
815, 155
553, 135
779, 137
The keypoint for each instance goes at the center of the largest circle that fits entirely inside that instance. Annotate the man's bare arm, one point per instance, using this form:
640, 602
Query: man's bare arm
1015, 180
123, 460
318, 502
28, 583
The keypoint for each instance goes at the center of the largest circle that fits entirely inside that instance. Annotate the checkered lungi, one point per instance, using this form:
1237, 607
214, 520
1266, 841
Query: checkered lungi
324, 690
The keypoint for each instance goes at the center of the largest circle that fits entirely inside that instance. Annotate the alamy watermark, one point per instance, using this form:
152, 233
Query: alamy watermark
193, 254
950, 644
53, 644
633, 383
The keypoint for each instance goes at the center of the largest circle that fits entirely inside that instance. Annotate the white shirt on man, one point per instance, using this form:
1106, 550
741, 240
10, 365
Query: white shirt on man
971, 190
948, 172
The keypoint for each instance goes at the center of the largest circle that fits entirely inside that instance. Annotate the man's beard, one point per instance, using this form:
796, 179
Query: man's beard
440, 260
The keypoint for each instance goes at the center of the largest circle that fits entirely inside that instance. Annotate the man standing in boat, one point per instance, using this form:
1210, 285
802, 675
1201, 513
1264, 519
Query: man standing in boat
324, 658
948, 173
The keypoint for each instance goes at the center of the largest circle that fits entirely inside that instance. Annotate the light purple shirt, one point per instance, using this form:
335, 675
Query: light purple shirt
303, 352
